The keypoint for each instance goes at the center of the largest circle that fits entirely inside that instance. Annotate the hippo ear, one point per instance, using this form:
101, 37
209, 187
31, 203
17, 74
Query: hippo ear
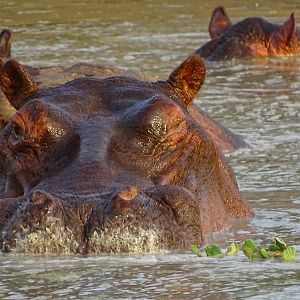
16, 83
219, 22
288, 30
188, 78
5, 37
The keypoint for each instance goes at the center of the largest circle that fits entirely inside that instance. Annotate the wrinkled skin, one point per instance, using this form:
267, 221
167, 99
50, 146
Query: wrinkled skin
251, 37
112, 165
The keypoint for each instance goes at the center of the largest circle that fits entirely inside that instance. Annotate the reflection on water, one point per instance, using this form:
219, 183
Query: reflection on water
258, 99
176, 276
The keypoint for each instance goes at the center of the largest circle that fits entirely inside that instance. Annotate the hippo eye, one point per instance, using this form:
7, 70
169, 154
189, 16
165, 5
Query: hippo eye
17, 131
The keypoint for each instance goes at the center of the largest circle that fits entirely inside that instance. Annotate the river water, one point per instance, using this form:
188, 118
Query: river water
258, 99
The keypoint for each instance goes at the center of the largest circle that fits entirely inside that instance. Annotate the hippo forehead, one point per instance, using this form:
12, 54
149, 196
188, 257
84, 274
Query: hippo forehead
130, 103
86, 97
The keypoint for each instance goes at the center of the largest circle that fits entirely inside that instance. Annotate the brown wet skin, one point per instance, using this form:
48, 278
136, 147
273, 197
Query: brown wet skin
112, 165
251, 37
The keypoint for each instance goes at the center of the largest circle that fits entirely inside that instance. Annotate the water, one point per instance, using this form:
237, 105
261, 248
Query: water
259, 99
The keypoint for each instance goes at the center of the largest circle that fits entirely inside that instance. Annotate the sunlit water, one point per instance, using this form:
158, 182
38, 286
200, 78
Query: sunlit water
258, 99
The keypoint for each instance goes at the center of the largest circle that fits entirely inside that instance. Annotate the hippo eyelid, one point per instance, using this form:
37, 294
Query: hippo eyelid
17, 131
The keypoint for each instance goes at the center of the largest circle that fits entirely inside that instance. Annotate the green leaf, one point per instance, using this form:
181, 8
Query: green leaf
274, 248
264, 253
289, 254
249, 252
279, 242
196, 250
277, 248
233, 249
213, 251
251, 244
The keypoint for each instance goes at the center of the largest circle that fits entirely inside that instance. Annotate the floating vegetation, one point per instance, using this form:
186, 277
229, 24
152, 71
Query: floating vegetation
276, 248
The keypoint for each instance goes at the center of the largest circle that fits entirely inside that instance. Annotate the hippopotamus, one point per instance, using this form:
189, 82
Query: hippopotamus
251, 37
112, 165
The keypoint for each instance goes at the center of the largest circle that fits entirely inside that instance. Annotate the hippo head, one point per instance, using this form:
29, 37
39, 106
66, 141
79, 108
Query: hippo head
111, 165
251, 37
5, 43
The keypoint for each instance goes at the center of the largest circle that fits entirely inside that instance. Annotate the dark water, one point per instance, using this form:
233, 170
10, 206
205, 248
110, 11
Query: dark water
258, 99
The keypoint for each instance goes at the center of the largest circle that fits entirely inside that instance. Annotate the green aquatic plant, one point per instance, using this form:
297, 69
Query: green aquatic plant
277, 241
251, 245
277, 244
213, 251
232, 250
289, 254
276, 248
264, 253
196, 250
250, 249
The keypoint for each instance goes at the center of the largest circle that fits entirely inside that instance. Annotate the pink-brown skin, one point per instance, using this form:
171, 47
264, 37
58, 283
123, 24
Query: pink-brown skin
101, 154
251, 37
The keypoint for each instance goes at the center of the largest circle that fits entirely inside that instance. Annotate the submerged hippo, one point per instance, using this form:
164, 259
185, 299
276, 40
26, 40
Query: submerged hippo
112, 165
251, 37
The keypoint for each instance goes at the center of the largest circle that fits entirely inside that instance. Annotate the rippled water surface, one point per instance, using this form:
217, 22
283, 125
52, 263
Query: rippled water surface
258, 99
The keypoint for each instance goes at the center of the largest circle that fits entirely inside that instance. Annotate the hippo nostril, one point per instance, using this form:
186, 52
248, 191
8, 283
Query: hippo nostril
39, 197
127, 203
129, 193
